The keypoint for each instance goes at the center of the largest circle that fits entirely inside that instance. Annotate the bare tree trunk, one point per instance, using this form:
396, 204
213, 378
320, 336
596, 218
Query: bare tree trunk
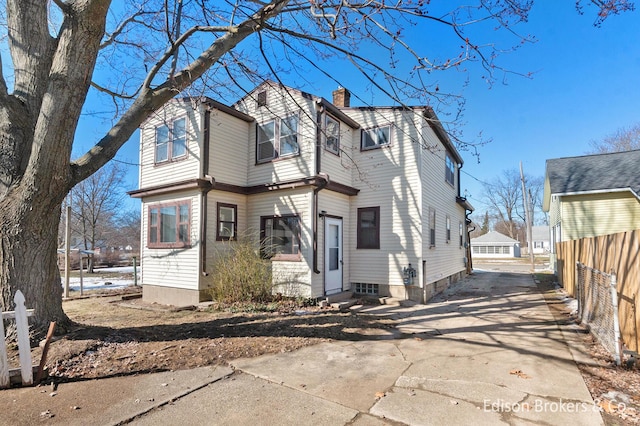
28, 261
38, 121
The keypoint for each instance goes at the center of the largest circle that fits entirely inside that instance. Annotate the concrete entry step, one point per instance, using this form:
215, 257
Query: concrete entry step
382, 300
344, 306
339, 297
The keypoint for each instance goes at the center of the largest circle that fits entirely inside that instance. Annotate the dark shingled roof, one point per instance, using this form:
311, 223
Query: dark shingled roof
618, 170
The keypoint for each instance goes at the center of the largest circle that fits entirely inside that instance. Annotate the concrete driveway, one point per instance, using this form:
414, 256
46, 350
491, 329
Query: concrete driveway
487, 351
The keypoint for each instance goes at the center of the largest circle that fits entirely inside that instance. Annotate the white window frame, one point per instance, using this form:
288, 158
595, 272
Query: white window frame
281, 131
170, 142
373, 135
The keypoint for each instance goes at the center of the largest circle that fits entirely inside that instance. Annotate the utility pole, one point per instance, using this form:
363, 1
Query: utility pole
527, 217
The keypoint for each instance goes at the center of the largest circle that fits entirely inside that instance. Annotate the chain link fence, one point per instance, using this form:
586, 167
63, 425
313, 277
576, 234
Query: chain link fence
598, 306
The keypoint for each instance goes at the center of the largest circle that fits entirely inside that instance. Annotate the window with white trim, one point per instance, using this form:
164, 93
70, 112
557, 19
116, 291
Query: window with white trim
277, 138
169, 225
376, 137
461, 232
332, 135
171, 141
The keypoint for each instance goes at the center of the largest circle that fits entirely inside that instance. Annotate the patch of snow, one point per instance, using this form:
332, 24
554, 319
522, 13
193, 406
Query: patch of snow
98, 283
572, 304
121, 269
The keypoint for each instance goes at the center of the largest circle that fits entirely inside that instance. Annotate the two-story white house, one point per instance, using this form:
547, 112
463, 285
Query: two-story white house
348, 199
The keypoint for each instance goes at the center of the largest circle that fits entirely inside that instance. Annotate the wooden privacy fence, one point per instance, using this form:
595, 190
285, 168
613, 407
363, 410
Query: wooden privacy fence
22, 325
617, 254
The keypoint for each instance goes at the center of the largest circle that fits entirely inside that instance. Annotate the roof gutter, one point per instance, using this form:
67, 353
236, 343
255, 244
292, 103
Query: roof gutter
321, 183
597, 191
206, 144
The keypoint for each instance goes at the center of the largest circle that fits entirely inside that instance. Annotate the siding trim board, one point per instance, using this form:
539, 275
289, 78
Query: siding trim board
207, 185
171, 187
598, 191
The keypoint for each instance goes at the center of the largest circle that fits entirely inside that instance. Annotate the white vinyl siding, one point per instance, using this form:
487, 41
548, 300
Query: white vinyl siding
340, 167
388, 178
335, 205
444, 259
291, 276
153, 173
280, 106
599, 214
172, 267
228, 151
214, 247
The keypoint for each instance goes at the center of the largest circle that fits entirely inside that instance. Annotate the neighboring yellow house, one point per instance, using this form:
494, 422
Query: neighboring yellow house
592, 195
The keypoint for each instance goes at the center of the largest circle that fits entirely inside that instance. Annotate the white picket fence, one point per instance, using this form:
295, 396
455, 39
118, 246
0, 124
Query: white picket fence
20, 315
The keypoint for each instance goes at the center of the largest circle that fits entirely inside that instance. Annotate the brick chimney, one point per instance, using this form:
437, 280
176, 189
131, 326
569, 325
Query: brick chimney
341, 97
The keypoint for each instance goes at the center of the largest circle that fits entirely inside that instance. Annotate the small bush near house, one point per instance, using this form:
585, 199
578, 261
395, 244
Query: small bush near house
240, 274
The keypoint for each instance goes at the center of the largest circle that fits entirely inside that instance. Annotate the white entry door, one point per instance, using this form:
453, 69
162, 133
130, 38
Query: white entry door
332, 255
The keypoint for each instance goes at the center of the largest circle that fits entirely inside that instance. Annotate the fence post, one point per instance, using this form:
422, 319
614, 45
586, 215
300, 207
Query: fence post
135, 272
616, 324
4, 362
24, 347
577, 290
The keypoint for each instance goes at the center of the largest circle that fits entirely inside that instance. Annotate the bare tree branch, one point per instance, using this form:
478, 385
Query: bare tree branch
151, 99
121, 28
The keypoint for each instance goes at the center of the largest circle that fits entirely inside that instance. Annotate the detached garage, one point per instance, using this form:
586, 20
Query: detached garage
495, 244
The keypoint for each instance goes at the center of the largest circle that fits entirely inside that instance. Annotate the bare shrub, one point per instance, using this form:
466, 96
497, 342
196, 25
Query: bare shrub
240, 274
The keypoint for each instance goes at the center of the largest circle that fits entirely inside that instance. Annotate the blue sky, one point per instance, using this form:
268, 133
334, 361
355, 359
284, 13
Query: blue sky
585, 85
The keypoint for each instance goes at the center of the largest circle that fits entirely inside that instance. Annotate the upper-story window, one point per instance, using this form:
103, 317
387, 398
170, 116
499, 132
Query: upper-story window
169, 225
277, 138
262, 98
332, 135
376, 137
449, 170
171, 141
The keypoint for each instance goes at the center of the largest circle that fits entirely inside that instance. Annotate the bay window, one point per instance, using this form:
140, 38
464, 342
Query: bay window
169, 225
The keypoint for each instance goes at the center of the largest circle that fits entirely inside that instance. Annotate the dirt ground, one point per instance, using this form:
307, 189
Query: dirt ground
115, 337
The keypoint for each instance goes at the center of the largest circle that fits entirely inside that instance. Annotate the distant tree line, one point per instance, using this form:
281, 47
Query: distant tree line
98, 221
